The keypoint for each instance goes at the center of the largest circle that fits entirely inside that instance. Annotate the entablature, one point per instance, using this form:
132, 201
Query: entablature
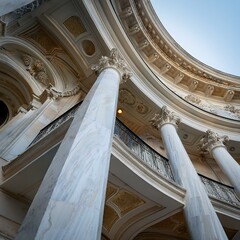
168, 60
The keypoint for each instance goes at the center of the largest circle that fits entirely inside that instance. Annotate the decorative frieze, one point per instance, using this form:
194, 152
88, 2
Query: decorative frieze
113, 61
164, 117
233, 111
193, 99
227, 111
212, 140
159, 39
160, 49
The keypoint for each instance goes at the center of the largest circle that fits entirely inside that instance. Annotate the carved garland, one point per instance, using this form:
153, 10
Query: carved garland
56, 94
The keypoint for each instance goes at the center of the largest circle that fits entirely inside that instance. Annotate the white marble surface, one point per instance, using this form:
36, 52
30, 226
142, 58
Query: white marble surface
7, 6
228, 165
200, 215
70, 201
21, 130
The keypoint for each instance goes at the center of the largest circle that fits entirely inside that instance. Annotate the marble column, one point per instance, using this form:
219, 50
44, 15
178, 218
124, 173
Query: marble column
70, 201
215, 145
200, 215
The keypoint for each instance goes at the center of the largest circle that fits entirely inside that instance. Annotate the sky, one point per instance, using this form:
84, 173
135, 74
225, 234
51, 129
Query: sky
209, 30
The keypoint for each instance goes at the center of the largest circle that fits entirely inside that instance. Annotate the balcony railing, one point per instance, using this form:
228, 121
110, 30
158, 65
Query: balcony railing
153, 159
220, 191
149, 156
161, 164
55, 124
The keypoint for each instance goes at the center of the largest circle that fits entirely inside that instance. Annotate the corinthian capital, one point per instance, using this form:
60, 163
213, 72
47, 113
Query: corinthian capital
164, 117
113, 61
212, 140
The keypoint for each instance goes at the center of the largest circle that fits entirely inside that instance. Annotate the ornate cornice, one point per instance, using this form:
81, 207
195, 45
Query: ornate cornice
166, 57
212, 140
113, 61
164, 117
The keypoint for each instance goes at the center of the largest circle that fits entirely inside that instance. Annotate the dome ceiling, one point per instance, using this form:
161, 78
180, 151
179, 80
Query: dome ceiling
196, 83
212, 39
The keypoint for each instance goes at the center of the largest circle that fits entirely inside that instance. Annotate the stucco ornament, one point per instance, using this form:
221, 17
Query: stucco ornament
36, 69
193, 99
56, 94
164, 117
212, 140
113, 61
125, 96
233, 110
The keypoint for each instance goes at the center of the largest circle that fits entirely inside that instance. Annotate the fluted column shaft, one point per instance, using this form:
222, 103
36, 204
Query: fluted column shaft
214, 144
70, 201
200, 215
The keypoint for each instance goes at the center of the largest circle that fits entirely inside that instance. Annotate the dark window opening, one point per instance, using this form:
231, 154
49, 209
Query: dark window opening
4, 113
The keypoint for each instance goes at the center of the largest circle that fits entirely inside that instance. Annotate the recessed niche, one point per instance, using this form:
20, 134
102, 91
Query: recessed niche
4, 113
88, 47
74, 26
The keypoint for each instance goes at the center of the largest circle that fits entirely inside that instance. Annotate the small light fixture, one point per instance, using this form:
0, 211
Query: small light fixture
119, 111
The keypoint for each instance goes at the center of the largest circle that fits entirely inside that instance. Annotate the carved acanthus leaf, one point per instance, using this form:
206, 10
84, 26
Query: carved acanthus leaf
113, 61
163, 117
212, 140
